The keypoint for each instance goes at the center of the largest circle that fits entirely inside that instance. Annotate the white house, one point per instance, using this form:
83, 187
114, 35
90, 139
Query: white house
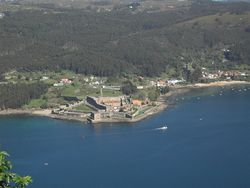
86, 79
152, 83
58, 84
1, 15
44, 78
161, 83
139, 87
65, 81
175, 81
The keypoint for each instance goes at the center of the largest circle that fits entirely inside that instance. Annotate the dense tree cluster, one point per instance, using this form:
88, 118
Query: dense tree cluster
153, 94
128, 88
164, 90
195, 75
16, 95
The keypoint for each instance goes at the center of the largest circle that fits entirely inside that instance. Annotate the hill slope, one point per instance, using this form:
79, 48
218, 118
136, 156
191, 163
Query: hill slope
123, 40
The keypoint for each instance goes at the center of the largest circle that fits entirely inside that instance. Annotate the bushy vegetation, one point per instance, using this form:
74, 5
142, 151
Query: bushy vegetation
128, 88
9, 179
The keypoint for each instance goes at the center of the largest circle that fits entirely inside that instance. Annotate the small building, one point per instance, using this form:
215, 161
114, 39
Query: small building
175, 81
66, 81
161, 83
96, 83
44, 78
115, 88
133, 5
152, 83
58, 84
137, 102
140, 87
1, 15
140, 78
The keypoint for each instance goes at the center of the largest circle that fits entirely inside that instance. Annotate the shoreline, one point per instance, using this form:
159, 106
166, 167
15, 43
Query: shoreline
41, 113
162, 104
220, 83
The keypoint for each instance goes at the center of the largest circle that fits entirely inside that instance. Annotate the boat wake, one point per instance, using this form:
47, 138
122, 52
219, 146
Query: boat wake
161, 128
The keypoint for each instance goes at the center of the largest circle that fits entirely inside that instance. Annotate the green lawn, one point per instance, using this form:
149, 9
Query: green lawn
36, 103
50, 82
84, 108
111, 93
70, 91
80, 91
89, 91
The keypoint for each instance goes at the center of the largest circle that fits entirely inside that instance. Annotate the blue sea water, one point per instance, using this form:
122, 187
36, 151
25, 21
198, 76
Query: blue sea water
207, 144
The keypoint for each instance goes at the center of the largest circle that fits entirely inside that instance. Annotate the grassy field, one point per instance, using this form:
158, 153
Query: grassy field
219, 19
84, 108
36, 103
70, 91
111, 93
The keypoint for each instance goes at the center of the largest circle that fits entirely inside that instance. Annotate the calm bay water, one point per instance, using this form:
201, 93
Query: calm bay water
207, 144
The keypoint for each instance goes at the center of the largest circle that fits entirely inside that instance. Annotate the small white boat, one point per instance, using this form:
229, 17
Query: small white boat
162, 128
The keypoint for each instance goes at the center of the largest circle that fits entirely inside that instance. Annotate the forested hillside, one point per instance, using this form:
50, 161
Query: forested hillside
125, 41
